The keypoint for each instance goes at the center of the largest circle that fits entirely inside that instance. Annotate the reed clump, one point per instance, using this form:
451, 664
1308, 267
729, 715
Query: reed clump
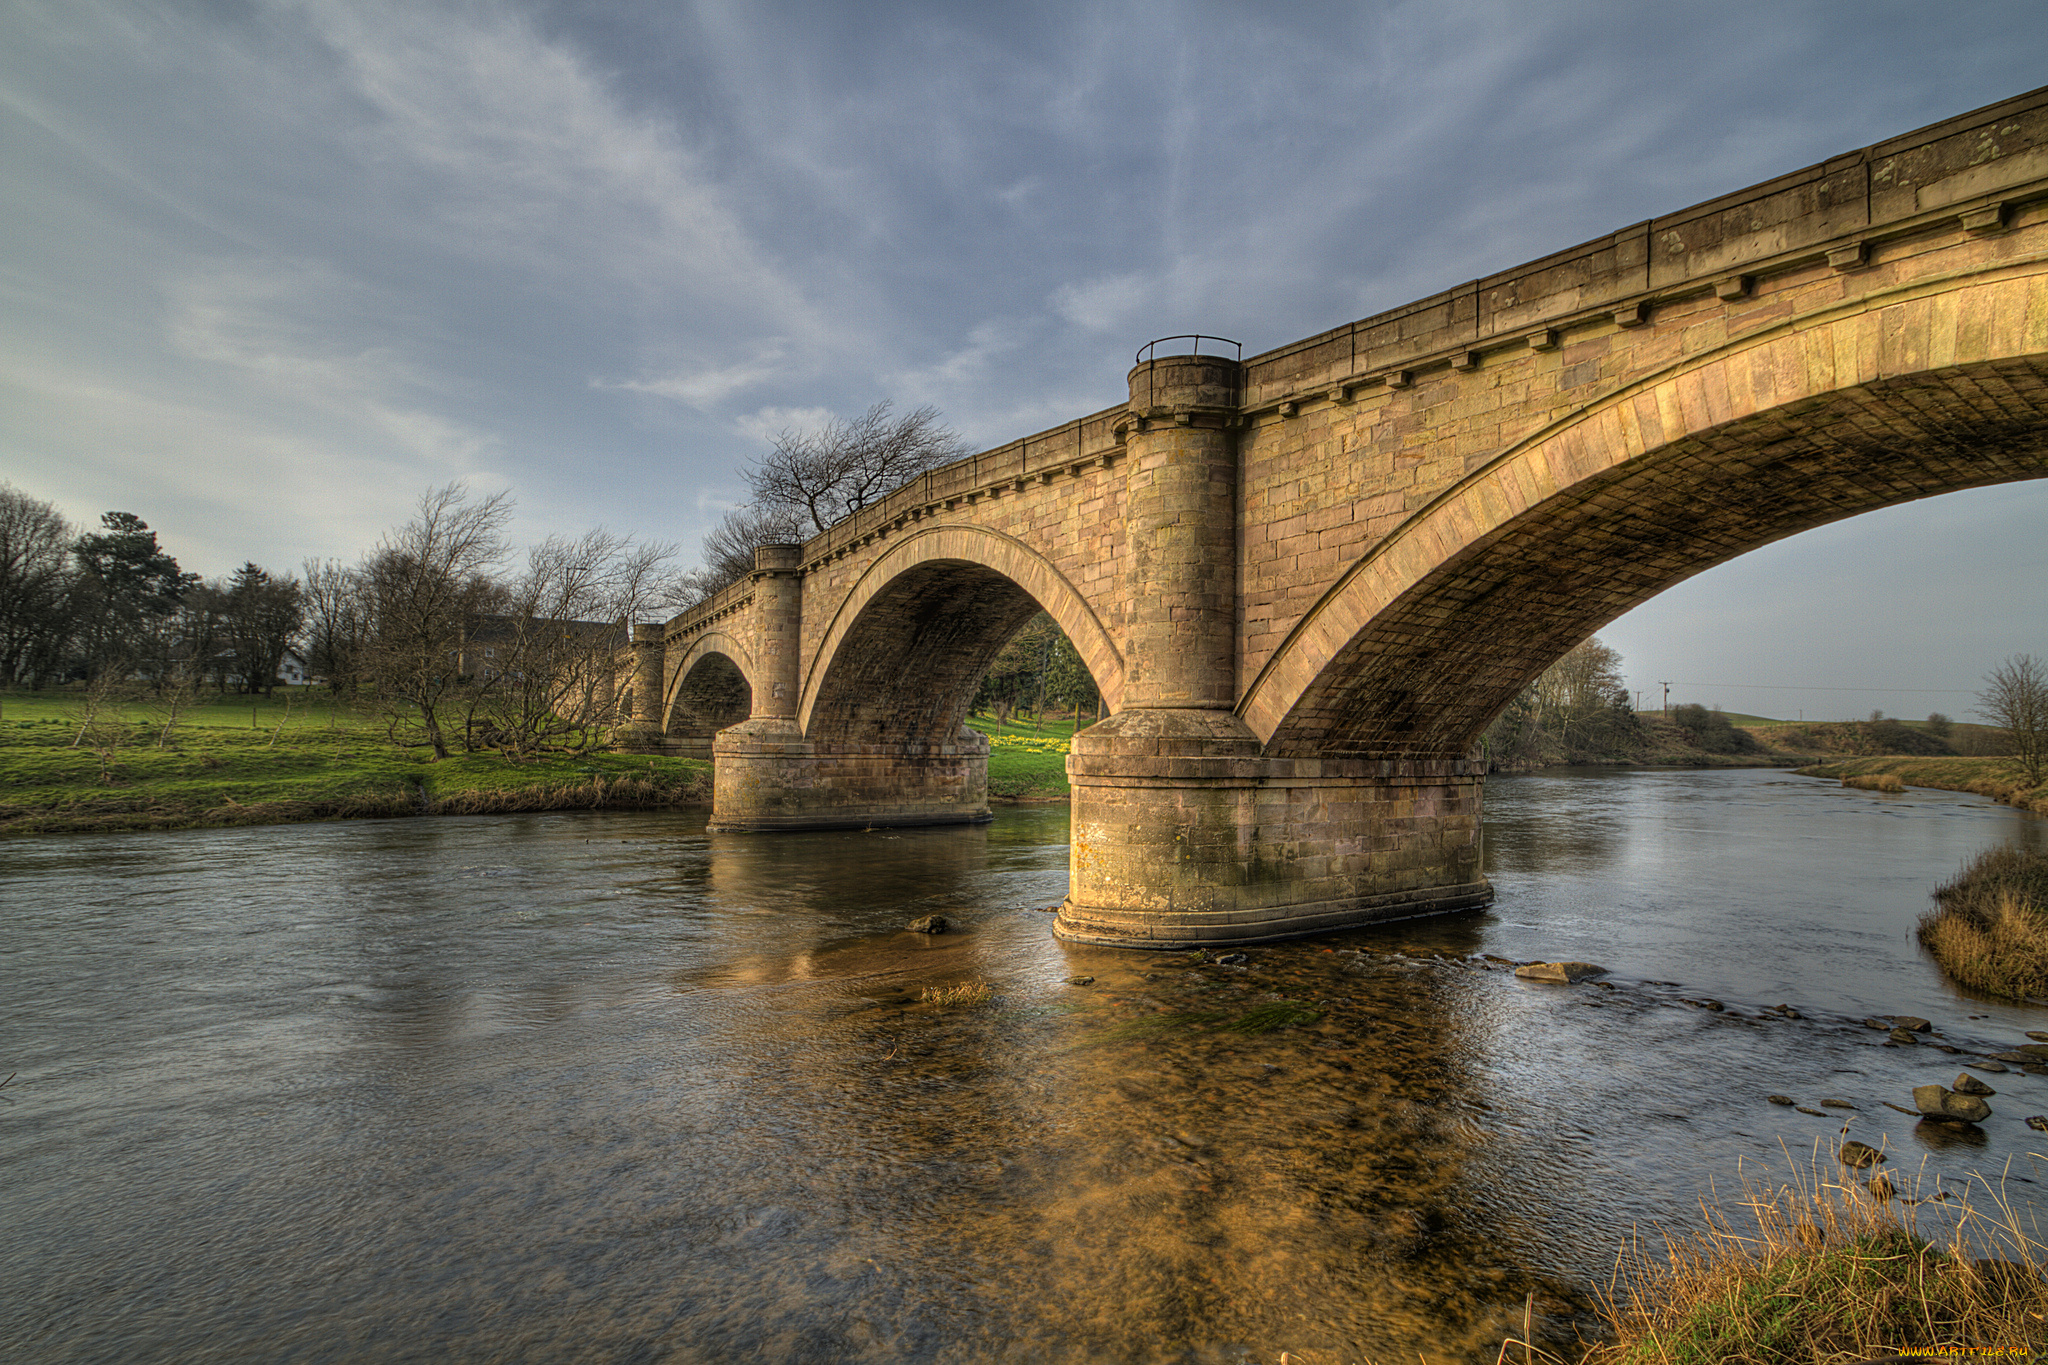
1828, 1273
1989, 927
1876, 782
966, 994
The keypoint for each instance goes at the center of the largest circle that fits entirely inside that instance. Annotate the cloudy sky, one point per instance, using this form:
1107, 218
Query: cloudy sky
270, 268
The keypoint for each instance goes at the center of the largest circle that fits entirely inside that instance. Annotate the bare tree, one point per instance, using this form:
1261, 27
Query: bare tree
176, 694
551, 680
832, 472
1576, 709
729, 548
35, 566
426, 586
337, 622
814, 478
2015, 697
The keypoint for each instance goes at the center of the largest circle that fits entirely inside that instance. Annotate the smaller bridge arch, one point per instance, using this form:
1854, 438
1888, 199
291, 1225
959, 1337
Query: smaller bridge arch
710, 687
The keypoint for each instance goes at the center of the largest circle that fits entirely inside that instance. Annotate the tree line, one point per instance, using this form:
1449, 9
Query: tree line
438, 631
85, 605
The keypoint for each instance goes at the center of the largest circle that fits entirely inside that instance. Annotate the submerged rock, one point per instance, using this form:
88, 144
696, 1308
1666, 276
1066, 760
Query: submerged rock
1904, 1035
1561, 973
1858, 1154
1781, 1099
928, 924
1911, 1021
1966, 1084
2038, 1122
1939, 1102
1080, 981
1836, 1104
1815, 1112
1988, 1066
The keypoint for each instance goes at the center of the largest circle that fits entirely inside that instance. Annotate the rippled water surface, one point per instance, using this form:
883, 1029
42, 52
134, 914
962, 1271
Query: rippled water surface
603, 1087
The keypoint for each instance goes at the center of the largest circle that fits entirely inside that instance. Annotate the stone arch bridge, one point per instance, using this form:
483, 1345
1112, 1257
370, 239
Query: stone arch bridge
1305, 581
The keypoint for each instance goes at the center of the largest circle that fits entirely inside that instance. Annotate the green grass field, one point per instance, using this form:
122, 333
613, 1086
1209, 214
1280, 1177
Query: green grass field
302, 759
1027, 763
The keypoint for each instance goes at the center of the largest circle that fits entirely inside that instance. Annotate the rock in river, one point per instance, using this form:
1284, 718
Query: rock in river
1904, 1035
1859, 1154
1563, 973
928, 924
1939, 1102
1911, 1021
1966, 1084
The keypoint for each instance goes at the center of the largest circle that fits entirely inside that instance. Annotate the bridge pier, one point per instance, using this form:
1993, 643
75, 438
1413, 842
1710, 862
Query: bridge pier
1184, 832
1182, 837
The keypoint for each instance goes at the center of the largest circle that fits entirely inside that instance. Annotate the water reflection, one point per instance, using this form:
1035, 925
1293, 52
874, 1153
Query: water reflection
603, 1087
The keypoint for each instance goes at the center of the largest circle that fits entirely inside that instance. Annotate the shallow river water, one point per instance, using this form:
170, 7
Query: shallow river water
605, 1088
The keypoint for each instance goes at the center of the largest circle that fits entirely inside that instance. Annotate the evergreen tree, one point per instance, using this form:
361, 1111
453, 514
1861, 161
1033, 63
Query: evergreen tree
123, 597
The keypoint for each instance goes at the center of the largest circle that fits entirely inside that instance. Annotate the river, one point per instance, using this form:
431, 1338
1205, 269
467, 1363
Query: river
604, 1088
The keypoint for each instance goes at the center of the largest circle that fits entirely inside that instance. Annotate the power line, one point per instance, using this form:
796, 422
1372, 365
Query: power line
1794, 687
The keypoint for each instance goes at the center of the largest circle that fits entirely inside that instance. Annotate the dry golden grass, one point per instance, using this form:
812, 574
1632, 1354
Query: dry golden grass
2001, 779
969, 993
1989, 928
1832, 1273
1876, 782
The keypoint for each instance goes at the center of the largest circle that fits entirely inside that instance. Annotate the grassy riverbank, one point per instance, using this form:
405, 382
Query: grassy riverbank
1833, 1268
1998, 778
1027, 763
277, 761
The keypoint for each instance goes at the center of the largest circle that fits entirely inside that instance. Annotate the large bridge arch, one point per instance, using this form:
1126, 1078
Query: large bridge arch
914, 633
1929, 388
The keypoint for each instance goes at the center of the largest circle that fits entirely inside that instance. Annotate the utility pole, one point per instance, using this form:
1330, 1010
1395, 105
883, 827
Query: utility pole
1667, 697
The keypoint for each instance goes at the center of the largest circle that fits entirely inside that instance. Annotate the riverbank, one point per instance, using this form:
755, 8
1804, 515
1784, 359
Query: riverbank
277, 765
1998, 778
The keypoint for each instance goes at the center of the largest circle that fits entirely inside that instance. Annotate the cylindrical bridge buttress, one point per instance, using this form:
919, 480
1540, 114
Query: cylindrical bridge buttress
779, 621
649, 651
1181, 515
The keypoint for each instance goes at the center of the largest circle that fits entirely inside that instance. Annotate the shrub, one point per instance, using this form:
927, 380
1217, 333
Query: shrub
1989, 929
1709, 730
